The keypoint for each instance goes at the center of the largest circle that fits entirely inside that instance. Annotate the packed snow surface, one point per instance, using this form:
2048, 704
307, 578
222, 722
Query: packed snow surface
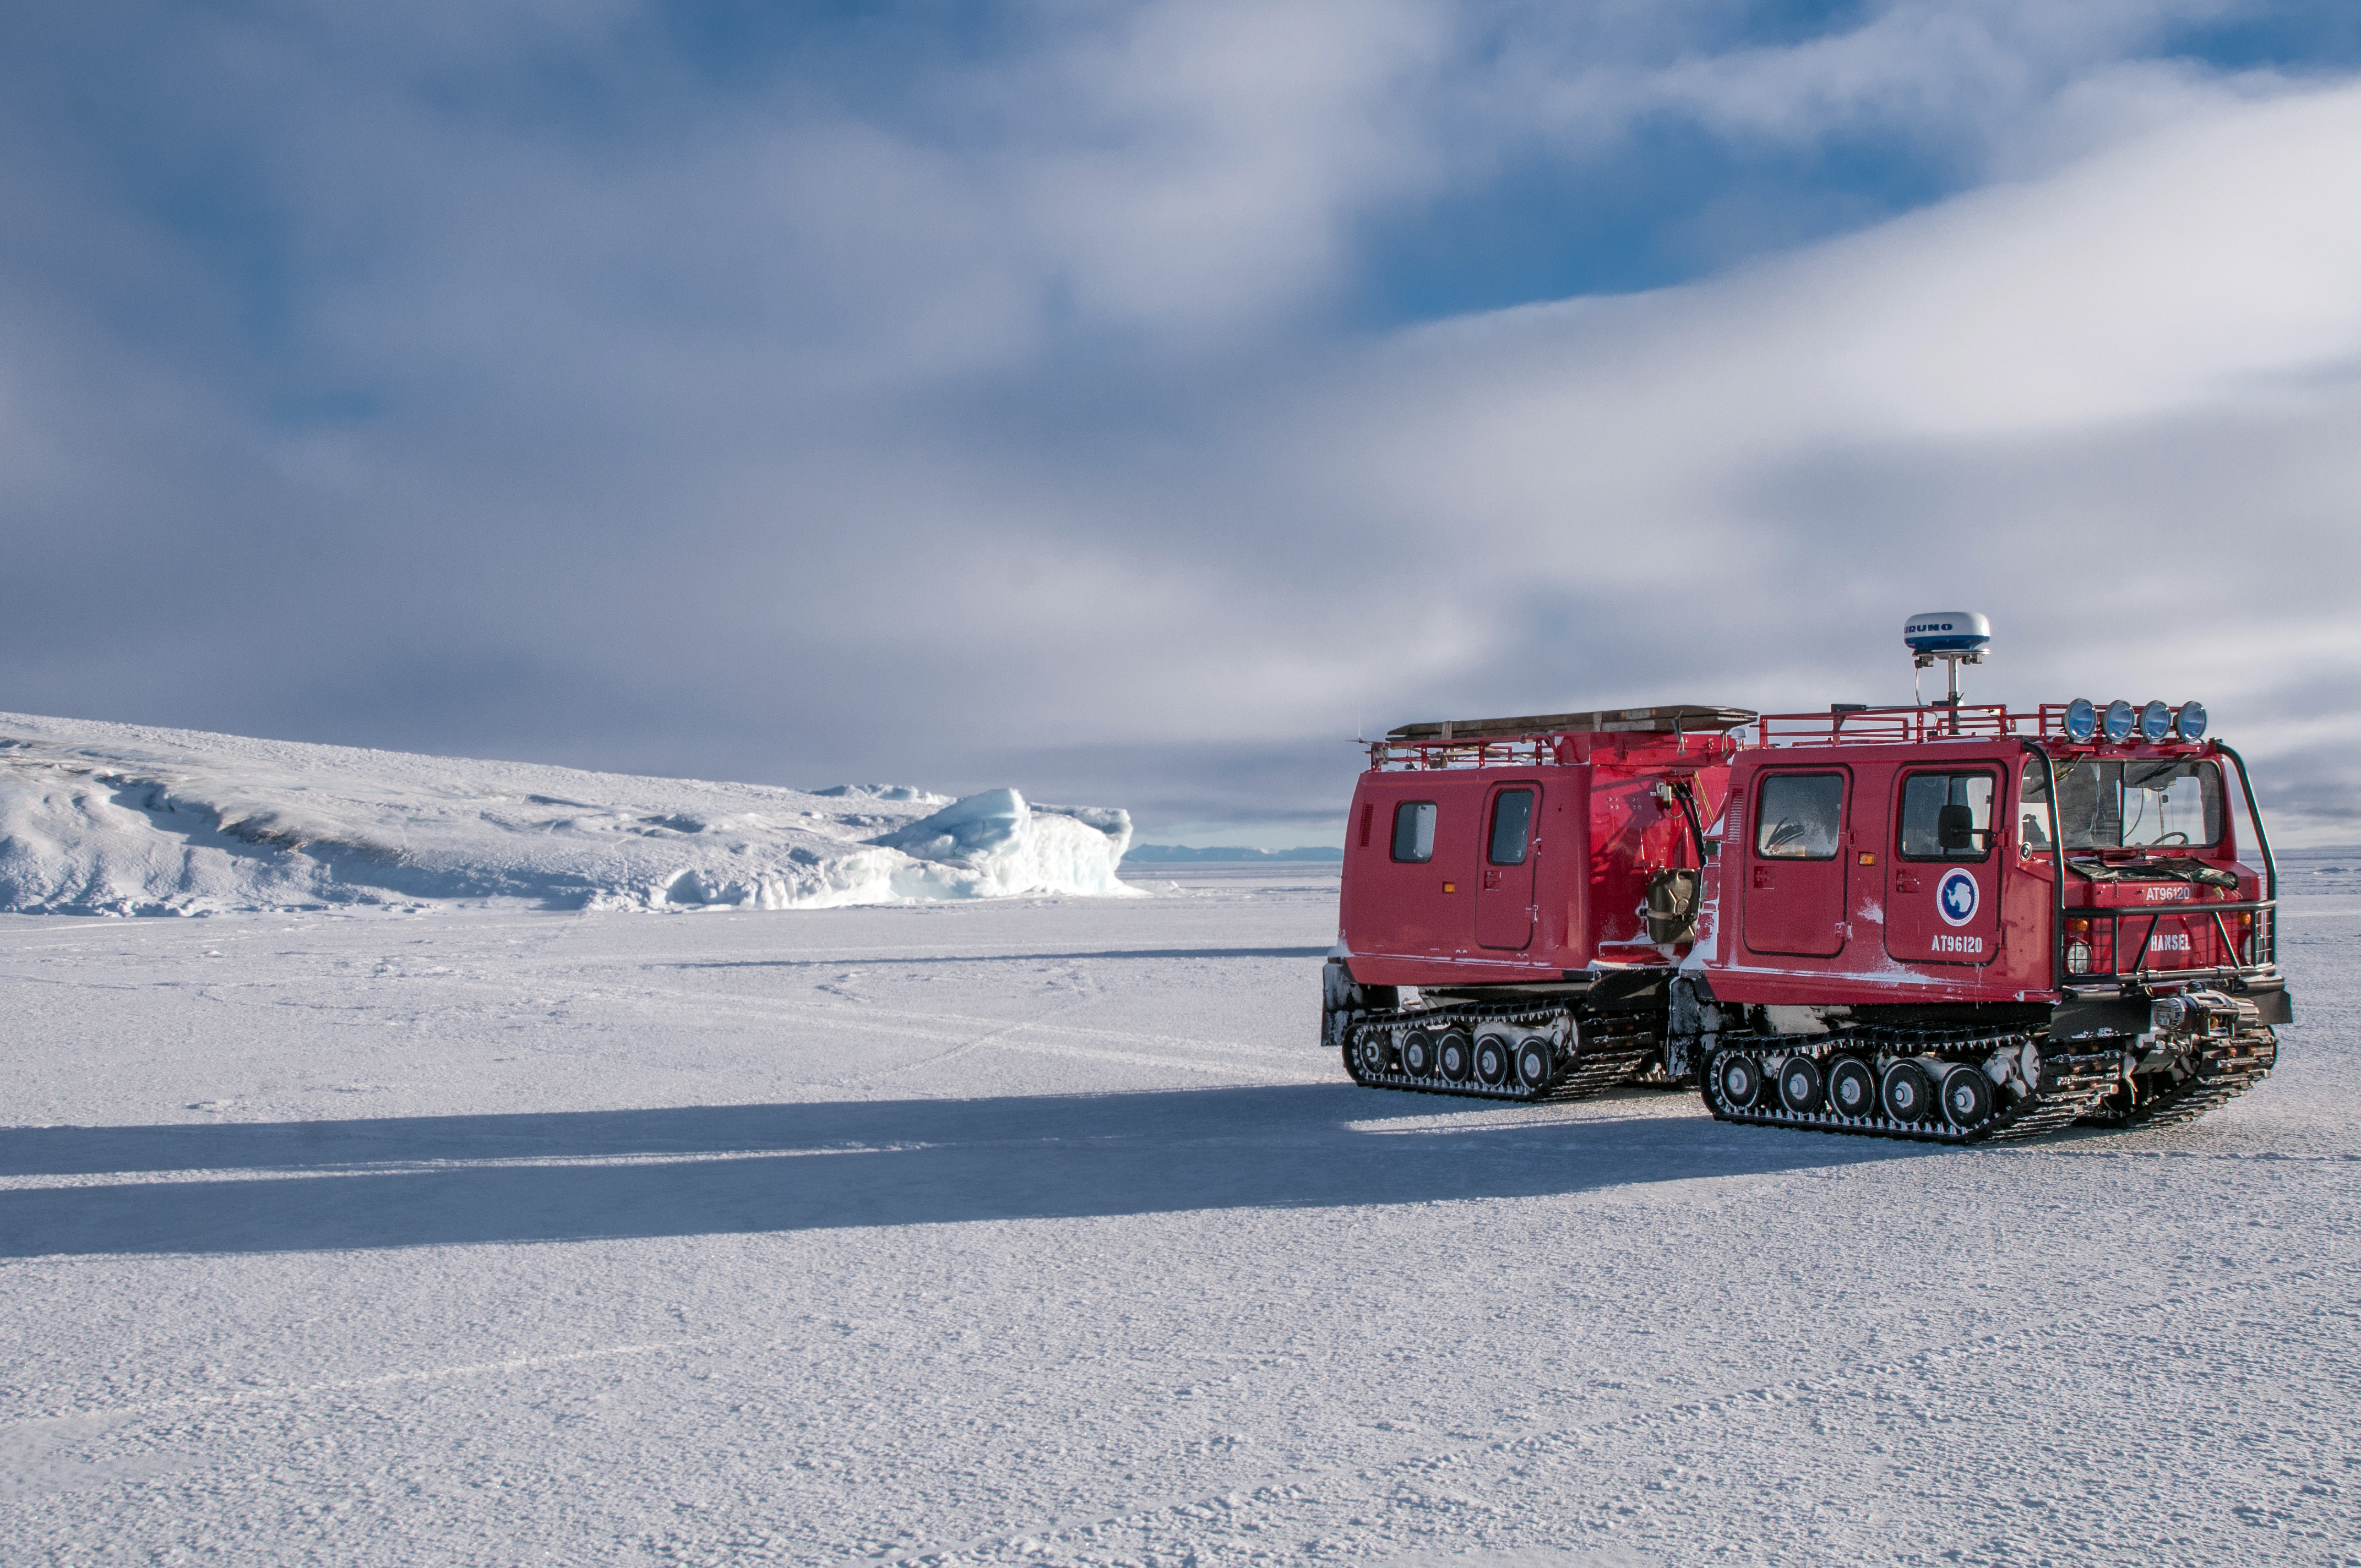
112, 818
1040, 1231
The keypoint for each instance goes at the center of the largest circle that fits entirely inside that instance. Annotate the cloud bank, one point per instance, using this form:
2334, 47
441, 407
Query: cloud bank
1138, 400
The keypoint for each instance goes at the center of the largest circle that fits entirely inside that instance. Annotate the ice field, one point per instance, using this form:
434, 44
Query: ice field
1040, 1231
99, 818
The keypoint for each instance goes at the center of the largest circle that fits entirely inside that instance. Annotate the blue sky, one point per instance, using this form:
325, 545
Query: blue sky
1128, 401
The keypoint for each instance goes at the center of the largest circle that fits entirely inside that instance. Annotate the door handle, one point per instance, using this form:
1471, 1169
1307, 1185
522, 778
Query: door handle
1491, 878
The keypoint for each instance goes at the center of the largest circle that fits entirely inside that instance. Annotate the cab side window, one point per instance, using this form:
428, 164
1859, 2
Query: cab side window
1414, 830
2036, 828
1799, 816
1946, 817
1512, 826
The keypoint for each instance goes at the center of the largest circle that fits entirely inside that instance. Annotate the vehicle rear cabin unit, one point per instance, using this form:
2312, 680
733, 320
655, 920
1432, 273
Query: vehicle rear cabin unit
1852, 921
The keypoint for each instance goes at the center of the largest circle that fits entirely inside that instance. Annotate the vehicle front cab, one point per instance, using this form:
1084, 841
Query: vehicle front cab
2154, 896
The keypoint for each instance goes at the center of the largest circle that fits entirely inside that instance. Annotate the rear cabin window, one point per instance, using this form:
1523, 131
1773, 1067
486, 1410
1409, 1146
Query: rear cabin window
2125, 806
1799, 816
1512, 826
1946, 817
1414, 830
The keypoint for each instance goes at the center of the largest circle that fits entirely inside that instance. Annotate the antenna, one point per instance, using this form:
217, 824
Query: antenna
1955, 636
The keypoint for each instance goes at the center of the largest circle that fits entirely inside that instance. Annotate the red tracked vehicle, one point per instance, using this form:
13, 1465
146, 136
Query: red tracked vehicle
1852, 921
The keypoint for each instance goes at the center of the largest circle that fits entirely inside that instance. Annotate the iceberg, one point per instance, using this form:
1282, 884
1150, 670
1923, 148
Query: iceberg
1006, 845
100, 818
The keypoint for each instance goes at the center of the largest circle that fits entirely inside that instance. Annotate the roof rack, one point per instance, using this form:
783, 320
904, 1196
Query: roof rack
1687, 718
1849, 723
1544, 739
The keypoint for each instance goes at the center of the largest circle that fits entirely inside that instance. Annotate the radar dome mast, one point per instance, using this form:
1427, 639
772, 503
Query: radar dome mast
1955, 636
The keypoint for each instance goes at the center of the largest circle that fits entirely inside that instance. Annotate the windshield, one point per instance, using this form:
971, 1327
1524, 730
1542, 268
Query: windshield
2129, 805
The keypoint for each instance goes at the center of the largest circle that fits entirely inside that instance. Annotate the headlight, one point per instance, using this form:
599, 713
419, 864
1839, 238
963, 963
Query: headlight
2082, 719
2078, 958
2120, 721
2192, 722
2156, 722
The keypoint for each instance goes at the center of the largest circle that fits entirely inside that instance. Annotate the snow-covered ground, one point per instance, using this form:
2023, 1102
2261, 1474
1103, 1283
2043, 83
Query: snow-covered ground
120, 820
1039, 1231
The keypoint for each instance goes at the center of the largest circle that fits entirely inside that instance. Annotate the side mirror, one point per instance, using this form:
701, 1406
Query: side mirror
1955, 827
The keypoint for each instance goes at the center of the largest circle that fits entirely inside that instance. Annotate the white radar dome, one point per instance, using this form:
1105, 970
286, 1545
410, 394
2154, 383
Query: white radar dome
1947, 632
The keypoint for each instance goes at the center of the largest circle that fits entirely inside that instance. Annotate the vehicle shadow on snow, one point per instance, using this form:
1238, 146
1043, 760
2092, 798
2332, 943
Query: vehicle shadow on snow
1014, 958
733, 1169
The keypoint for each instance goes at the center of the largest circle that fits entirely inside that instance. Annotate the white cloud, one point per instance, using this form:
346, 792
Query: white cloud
779, 429
2116, 408
1200, 165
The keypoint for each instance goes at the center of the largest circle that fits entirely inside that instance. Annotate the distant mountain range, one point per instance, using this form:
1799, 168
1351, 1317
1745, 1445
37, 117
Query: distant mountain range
1164, 852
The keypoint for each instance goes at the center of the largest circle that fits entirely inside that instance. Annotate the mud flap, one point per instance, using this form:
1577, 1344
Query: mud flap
1341, 1000
2270, 999
1691, 1018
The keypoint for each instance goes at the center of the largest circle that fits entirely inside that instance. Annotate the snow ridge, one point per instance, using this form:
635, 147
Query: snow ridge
101, 818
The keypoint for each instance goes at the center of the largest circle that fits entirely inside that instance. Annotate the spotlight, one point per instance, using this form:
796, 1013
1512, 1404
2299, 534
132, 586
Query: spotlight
2120, 721
2156, 722
2082, 719
2192, 722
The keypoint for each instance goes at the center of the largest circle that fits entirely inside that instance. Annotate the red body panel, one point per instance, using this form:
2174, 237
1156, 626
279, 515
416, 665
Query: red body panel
1897, 942
1813, 894
1599, 833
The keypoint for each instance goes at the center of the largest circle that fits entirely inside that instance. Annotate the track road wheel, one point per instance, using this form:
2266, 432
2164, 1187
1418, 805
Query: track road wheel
1800, 1085
1452, 1057
1533, 1066
1491, 1061
1907, 1094
1967, 1096
1418, 1054
1373, 1053
1853, 1088
1740, 1078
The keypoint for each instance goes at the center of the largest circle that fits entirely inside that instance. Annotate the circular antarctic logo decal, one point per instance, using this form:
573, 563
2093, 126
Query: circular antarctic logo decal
1955, 897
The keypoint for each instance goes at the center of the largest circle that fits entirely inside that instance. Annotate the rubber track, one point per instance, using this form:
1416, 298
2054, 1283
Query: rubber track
2223, 1072
1608, 1052
2072, 1083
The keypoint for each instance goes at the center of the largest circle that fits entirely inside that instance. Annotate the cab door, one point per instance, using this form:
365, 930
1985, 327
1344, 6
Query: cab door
1504, 895
1942, 901
1795, 864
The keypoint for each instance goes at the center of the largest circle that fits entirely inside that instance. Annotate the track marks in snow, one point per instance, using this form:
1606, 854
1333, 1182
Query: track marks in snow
1074, 1042
267, 1395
